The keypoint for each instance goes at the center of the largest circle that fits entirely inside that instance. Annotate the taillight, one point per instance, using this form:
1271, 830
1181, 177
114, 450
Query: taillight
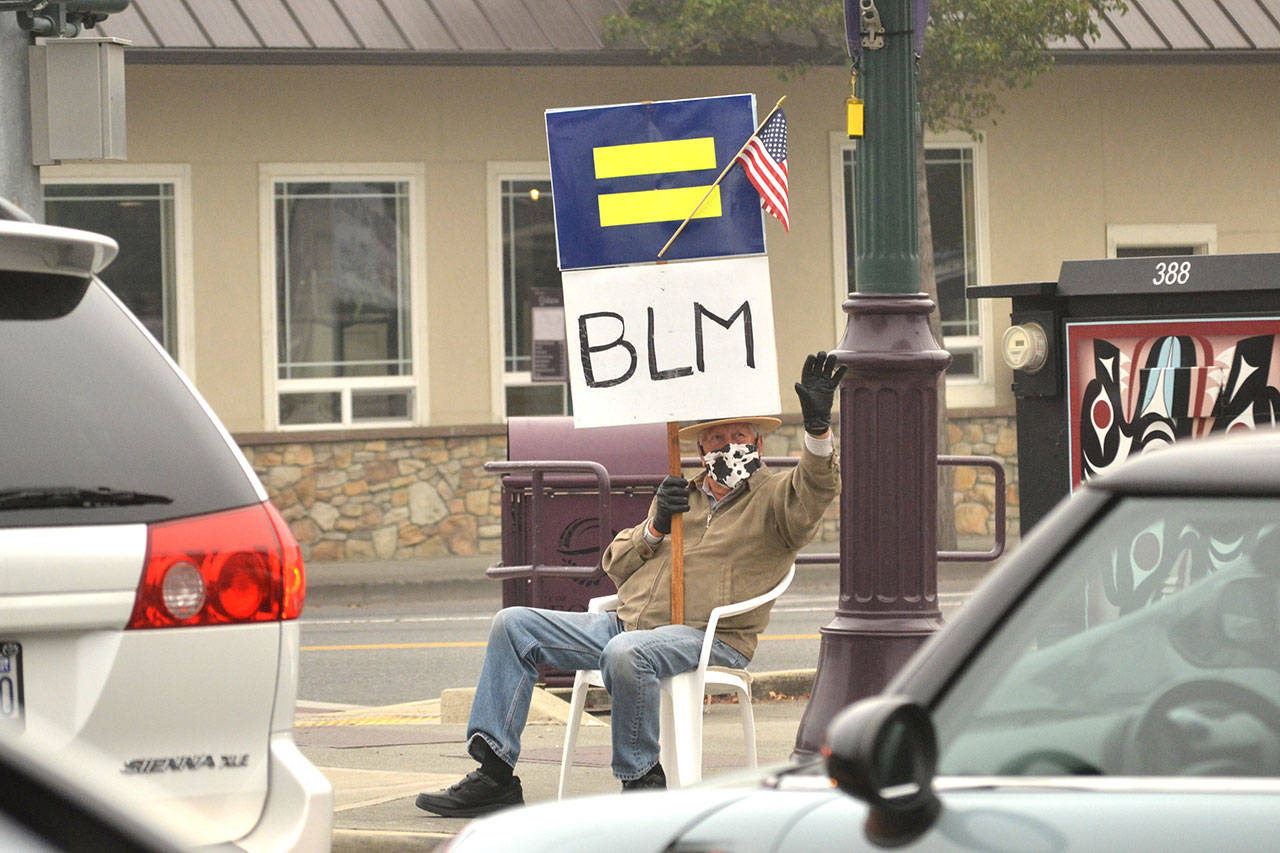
225, 568
295, 573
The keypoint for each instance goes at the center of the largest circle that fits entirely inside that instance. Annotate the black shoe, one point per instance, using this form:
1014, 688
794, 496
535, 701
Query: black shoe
474, 795
653, 779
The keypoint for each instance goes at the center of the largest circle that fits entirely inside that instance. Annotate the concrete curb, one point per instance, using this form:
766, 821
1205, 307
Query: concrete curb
545, 707
552, 706
386, 840
782, 683
765, 687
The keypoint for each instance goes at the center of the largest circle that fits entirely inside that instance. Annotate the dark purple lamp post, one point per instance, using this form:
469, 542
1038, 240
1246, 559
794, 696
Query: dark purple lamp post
888, 399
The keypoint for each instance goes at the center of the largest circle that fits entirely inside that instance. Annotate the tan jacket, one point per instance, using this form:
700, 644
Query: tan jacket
741, 550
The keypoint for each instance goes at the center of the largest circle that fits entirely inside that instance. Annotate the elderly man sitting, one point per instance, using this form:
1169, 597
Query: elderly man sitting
745, 525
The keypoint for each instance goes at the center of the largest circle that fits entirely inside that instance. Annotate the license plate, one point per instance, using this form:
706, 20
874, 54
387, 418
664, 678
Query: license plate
11, 699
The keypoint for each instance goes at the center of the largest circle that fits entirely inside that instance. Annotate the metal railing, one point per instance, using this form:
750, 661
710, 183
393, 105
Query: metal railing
538, 486
538, 483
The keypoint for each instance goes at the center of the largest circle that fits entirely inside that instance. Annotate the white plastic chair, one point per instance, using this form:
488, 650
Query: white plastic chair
680, 726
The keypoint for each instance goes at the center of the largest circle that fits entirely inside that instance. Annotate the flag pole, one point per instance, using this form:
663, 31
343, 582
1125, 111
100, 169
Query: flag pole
677, 530
717, 181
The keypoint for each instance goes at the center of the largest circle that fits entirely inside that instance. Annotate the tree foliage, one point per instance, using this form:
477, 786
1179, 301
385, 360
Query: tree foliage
776, 32
974, 49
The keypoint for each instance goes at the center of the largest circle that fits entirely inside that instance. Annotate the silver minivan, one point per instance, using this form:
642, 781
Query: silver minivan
149, 591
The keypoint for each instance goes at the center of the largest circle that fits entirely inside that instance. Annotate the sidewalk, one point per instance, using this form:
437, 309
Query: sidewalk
380, 758
362, 581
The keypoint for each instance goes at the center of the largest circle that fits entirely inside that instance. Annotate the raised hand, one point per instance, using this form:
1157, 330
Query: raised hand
816, 389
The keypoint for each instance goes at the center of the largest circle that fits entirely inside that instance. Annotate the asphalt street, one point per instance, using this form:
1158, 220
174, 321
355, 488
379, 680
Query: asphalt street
404, 648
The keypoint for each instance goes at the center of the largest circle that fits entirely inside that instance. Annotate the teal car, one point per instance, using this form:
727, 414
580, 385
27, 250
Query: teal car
1114, 685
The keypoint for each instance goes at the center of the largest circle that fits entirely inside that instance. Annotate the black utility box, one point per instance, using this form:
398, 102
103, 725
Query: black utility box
1126, 355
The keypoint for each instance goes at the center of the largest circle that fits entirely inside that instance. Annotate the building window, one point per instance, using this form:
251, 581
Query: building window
1141, 241
530, 281
344, 342
951, 217
1153, 251
953, 208
140, 218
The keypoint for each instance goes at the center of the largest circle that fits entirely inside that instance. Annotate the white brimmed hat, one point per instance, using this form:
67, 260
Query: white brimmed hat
764, 424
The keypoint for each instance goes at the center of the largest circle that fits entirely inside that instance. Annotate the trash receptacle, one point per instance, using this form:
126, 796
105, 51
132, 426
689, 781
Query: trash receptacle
1125, 355
565, 493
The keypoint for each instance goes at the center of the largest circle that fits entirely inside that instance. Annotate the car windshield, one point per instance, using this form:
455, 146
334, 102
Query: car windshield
1152, 648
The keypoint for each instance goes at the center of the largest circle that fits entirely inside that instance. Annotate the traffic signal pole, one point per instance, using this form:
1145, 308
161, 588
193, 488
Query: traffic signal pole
888, 602
19, 179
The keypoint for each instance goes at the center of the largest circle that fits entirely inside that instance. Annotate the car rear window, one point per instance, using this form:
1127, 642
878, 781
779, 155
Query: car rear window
87, 402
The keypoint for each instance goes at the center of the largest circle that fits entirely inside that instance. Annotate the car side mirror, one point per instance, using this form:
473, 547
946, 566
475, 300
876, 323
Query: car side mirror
884, 751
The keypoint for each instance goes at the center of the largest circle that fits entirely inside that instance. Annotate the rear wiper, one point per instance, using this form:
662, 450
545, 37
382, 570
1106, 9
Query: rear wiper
74, 496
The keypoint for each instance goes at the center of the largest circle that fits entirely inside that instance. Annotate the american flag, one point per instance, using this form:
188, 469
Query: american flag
765, 162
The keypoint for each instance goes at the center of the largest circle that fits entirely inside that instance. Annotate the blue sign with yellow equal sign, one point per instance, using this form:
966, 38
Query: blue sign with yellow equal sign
624, 177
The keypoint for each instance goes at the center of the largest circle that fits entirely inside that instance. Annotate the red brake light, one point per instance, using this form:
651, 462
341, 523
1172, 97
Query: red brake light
230, 567
295, 573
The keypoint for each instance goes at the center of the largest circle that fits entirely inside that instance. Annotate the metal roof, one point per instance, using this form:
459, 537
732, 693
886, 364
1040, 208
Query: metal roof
452, 29
1204, 26
545, 31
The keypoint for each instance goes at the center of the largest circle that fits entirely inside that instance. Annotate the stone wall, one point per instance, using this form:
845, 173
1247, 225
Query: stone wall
404, 494
975, 488
385, 498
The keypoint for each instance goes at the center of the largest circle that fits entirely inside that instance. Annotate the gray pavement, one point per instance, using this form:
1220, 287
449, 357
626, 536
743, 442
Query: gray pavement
379, 758
394, 753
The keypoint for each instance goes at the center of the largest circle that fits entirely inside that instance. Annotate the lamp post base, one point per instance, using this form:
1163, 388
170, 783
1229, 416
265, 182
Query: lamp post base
888, 602
854, 663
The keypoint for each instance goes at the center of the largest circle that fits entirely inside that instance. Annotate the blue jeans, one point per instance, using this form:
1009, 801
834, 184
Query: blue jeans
631, 662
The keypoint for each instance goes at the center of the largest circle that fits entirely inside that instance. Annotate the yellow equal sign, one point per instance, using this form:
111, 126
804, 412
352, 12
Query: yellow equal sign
656, 158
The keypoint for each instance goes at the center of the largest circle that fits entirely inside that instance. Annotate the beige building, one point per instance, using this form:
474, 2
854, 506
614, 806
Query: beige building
337, 224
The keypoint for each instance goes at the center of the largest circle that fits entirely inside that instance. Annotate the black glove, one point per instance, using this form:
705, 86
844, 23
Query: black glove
673, 496
817, 390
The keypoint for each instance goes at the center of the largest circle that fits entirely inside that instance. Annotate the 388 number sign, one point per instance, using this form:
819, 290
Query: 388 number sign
1171, 273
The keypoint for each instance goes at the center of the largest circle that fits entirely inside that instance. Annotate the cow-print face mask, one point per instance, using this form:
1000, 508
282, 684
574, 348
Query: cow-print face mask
732, 464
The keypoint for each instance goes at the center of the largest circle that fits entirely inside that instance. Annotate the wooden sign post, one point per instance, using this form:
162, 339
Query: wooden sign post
677, 530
